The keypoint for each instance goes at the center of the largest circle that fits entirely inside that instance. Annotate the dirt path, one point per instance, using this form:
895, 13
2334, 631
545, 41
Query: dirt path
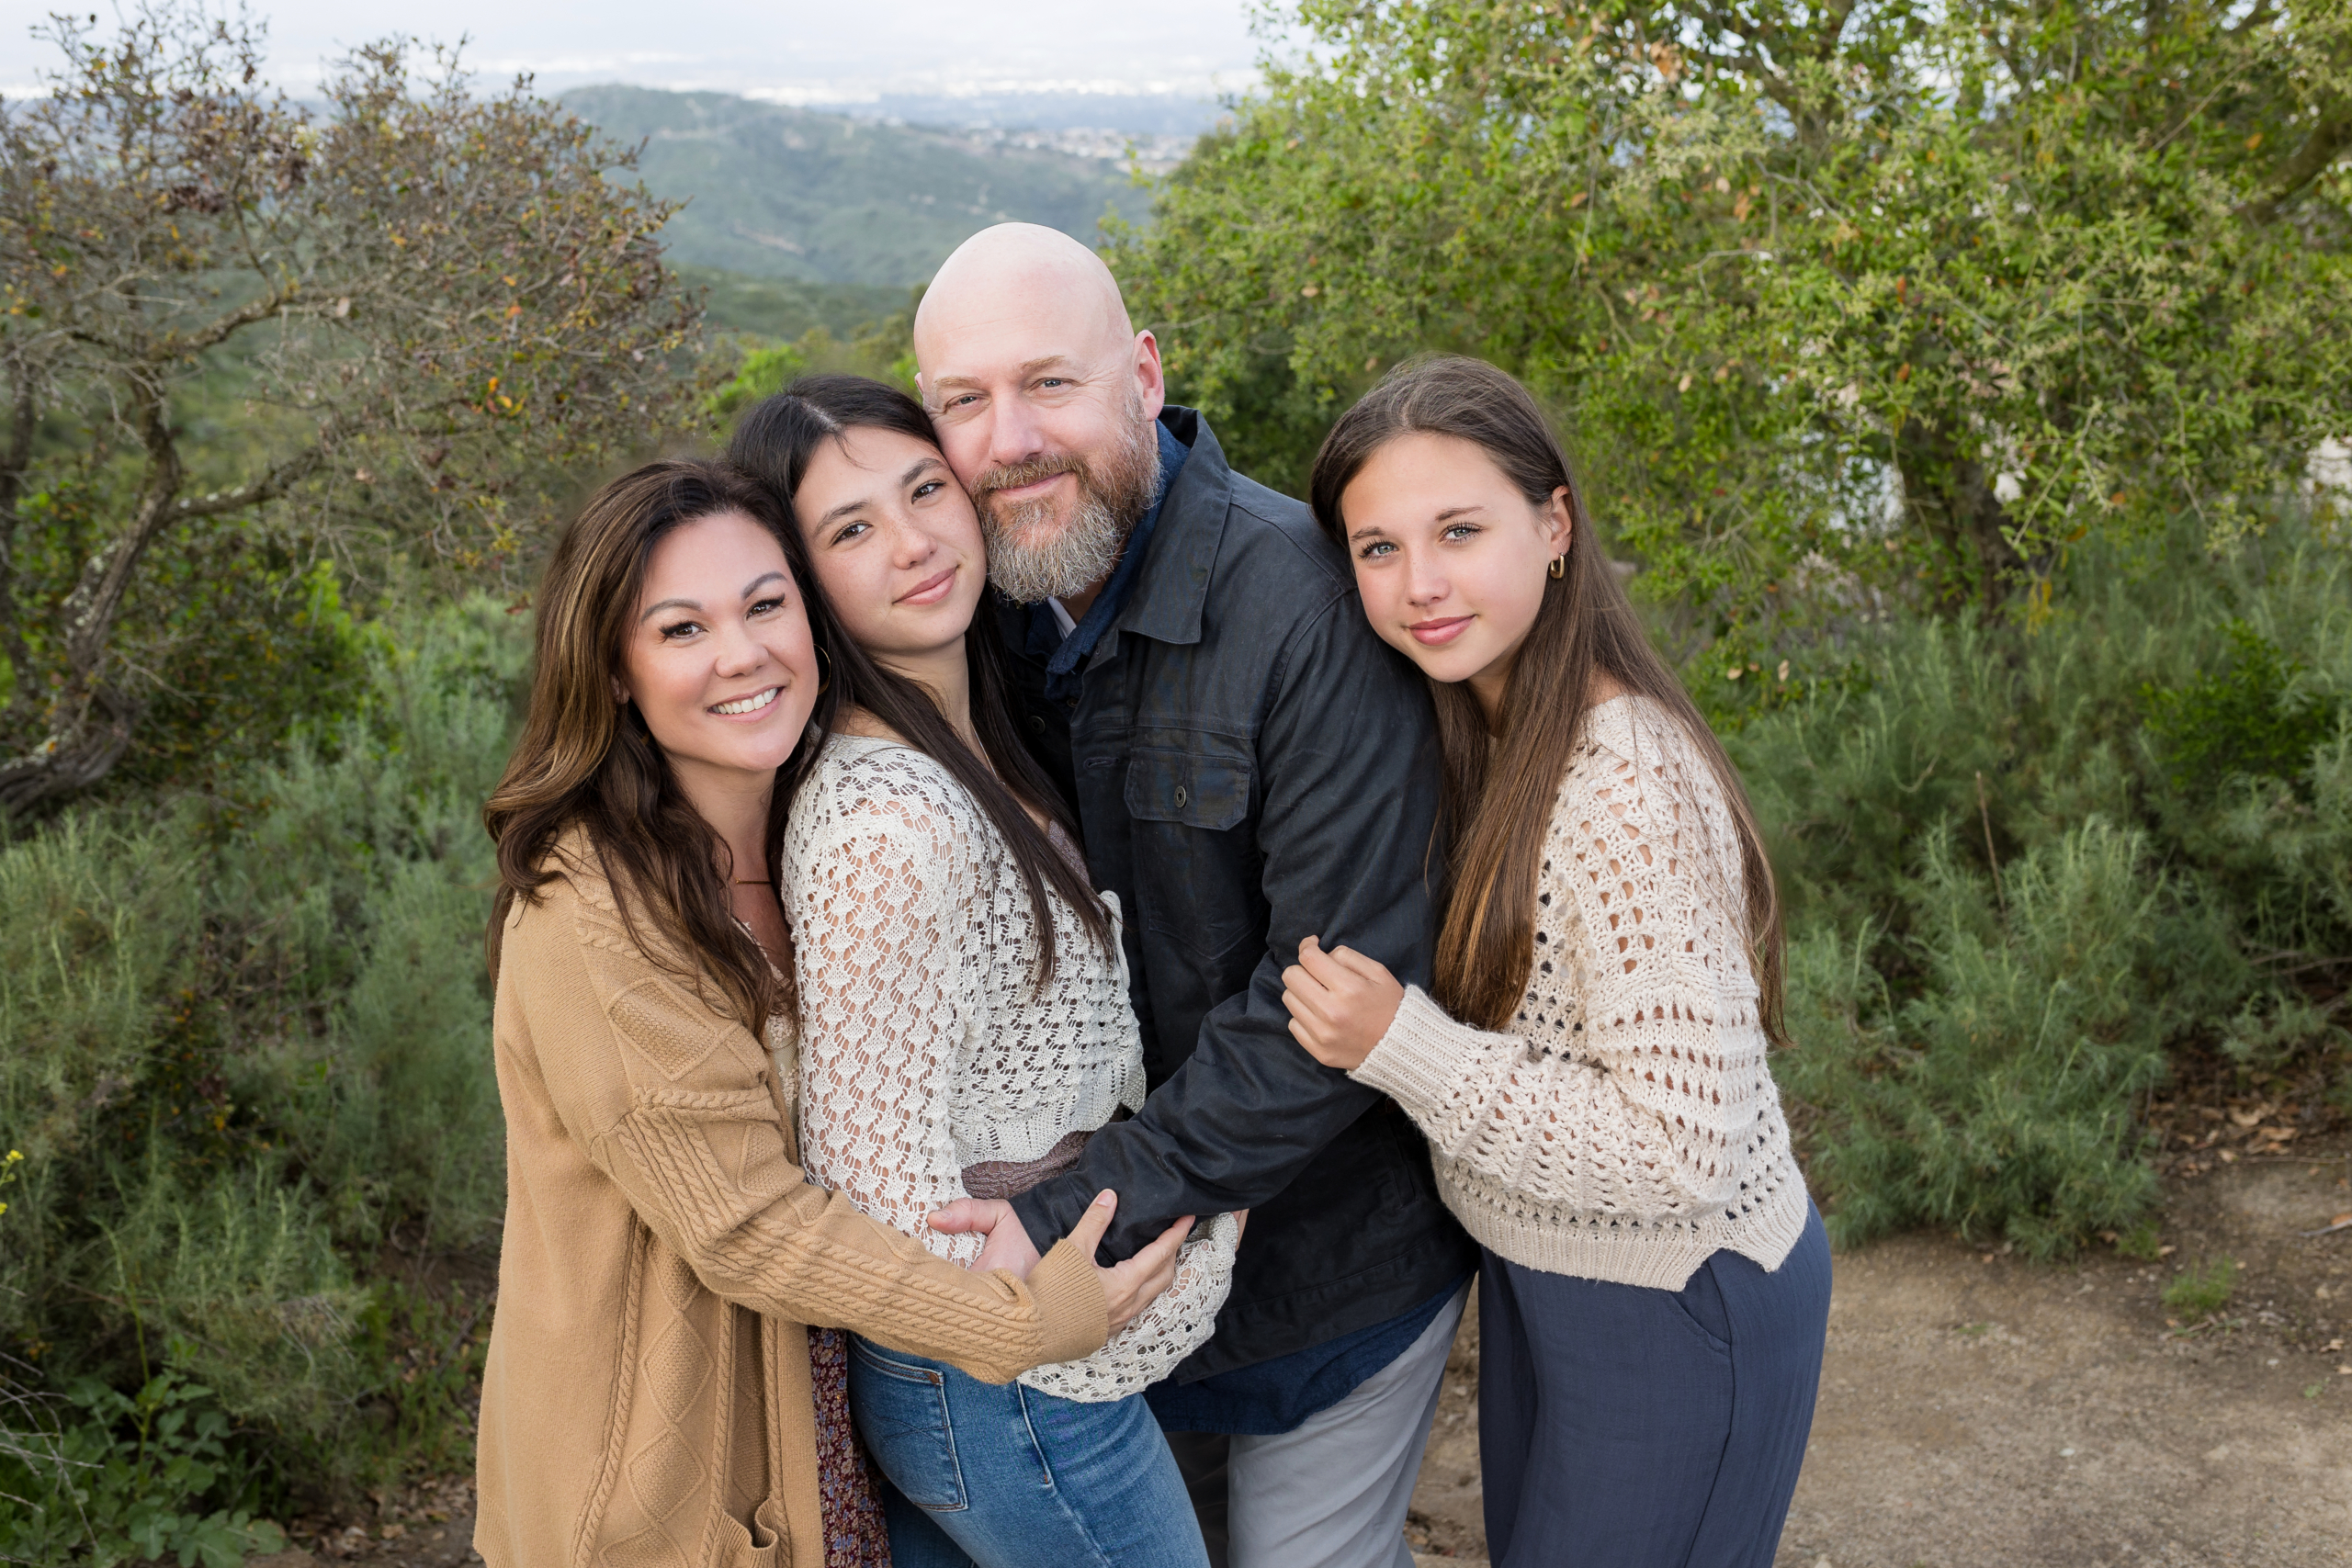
1978, 1410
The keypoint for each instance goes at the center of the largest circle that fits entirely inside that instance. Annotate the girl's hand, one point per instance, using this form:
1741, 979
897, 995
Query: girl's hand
1341, 1003
1134, 1285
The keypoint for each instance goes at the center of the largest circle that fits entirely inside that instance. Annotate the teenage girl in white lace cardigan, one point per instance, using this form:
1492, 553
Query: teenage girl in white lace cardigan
963, 1011
1591, 1072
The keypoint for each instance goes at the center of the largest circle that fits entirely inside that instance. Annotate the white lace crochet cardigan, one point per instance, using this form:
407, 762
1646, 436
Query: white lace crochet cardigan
924, 1049
1626, 1125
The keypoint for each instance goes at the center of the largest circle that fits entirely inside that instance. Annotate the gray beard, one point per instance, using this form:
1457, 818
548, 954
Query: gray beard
1034, 555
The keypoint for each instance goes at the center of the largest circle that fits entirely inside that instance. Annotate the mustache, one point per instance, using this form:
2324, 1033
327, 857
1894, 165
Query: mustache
1028, 471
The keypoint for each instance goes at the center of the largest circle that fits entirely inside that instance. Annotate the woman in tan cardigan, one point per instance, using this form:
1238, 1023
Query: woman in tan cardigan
651, 1395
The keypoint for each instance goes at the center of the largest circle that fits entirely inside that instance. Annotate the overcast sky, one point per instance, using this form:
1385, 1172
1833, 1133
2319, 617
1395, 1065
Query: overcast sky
794, 50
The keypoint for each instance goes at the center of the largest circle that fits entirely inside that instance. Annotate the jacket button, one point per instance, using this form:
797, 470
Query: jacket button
1182, 795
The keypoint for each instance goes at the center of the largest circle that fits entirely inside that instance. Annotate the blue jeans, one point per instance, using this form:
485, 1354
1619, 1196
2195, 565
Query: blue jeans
1648, 1429
1001, 1477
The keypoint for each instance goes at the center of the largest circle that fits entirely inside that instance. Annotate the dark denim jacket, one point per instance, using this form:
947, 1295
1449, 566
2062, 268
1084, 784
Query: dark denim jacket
1252, 764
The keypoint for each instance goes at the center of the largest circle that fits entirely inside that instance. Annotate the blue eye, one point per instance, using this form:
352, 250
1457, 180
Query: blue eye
1459, 530
1377, 548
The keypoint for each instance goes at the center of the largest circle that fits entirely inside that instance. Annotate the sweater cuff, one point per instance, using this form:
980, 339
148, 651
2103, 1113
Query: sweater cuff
1417, 1063
1077, 1316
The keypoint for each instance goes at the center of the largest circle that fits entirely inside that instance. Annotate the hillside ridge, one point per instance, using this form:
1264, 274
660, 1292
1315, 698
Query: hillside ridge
784, 193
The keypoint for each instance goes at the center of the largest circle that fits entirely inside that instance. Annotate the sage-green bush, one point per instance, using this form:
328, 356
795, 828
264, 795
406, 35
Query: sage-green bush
248, 1049
2028, 859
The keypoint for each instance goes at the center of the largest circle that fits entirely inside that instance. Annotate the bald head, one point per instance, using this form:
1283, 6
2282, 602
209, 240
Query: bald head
1011, 273
1044, 397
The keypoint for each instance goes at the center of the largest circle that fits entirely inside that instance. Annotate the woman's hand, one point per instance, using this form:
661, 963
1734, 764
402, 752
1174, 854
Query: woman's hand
1341, 1003
1134, 1285
1128, 1288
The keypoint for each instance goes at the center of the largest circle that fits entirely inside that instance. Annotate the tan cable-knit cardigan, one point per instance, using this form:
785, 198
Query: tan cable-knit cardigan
647, 1397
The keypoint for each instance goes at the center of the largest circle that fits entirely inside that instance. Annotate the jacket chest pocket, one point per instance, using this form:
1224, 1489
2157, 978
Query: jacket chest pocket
1194, 791
1196, 867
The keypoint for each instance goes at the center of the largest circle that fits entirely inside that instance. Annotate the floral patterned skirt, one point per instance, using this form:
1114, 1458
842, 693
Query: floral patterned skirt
857, 1536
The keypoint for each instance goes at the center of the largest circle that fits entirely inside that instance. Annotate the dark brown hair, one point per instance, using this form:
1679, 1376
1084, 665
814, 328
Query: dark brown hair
1498, 807
774, 443
583, 760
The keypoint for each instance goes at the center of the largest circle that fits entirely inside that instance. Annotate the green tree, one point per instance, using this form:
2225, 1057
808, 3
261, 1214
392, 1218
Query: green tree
405, 321
1837, 300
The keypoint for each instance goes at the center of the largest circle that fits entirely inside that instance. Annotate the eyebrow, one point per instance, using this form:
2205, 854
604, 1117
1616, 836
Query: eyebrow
696, 605
1026, 367
913, 471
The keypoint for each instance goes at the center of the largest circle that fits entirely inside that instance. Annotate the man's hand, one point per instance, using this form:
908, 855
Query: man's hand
1341, 1003
1008, 1245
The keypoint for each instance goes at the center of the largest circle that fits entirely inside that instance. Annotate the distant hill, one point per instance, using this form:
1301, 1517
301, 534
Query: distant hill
792, 193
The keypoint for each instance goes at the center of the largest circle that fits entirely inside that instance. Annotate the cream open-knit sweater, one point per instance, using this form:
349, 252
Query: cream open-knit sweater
924, 1046
1626, 1126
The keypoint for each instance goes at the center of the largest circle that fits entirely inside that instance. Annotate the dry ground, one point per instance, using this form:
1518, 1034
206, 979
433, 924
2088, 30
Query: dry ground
1977, 1411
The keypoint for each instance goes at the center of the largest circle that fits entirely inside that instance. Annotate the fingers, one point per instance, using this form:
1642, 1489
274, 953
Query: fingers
1240, 1224
1359, 964
1089, 1230
1303, 994
1163, 1247
1321, 964
980, 1214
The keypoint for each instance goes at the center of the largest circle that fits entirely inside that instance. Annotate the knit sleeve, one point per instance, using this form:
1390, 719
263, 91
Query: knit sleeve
672, 1103
1629, 1081
1177, 1323
884, 1003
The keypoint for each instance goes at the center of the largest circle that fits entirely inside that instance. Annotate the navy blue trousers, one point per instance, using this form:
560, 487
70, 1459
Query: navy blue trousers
1626, 1427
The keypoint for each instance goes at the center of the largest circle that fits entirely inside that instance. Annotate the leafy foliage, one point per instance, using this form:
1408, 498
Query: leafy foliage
429, 309
132, 1477
2010, 903
1840, 304
248, 1066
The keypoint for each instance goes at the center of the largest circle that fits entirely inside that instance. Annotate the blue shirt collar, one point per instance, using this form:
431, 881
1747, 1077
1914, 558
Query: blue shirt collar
1044, 632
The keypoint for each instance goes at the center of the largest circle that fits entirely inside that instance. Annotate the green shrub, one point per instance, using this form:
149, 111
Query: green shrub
248, 1052
2027, 860
126, 1477
2201, 1292
1999, 1100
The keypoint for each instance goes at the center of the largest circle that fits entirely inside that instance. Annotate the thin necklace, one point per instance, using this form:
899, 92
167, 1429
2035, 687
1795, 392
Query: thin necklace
745, 882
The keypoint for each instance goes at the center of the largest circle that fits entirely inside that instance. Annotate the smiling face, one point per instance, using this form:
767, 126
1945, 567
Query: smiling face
1451, 558
1044, 398
894, 543
719, 658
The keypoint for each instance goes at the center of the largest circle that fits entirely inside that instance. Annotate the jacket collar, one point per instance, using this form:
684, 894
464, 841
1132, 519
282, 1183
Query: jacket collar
1181, 551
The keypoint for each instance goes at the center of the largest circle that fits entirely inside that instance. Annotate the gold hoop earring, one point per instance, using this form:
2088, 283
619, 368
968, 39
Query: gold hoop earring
824, 670
1559, 567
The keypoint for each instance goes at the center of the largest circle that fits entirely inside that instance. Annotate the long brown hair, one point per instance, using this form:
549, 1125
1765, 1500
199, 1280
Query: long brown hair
585, 761
774, 443
1499, 805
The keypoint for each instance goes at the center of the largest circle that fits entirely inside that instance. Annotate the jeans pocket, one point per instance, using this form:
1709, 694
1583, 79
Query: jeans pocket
901, 1408
1700, 1303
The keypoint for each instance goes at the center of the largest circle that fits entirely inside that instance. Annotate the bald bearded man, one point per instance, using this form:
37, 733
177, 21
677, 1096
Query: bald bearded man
1250, 765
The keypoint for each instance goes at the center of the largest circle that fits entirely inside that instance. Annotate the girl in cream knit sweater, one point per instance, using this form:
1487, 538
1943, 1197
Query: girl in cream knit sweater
1591, 1073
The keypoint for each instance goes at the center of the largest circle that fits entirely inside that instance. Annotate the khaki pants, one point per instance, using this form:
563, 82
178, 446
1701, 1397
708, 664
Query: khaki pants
1332, 1492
